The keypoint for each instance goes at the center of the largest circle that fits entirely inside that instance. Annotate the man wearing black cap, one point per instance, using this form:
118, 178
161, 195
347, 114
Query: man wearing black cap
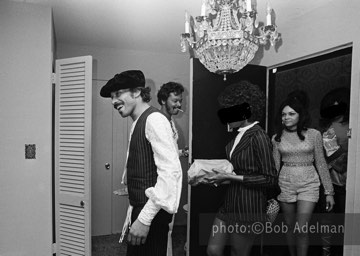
153, 169
334, 112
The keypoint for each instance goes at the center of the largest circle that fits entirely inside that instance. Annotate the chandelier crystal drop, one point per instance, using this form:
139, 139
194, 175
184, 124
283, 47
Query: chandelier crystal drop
225, 37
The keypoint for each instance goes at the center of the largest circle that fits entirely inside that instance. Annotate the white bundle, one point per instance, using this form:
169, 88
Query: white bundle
203, 168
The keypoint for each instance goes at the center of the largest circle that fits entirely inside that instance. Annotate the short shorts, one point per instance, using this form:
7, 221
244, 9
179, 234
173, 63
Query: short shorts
298, 183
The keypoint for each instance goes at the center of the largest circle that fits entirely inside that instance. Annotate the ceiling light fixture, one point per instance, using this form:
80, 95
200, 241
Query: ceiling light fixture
226, 35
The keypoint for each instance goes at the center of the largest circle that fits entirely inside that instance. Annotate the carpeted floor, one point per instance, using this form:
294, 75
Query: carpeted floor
109, 245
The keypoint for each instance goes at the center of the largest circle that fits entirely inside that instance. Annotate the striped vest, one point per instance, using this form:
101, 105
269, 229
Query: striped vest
141, 168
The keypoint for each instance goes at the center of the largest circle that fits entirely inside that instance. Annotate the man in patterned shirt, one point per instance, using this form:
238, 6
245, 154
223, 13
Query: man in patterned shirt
170, 100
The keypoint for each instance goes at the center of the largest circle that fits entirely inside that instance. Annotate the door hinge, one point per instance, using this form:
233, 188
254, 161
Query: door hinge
53, 248
348, 134
53, 78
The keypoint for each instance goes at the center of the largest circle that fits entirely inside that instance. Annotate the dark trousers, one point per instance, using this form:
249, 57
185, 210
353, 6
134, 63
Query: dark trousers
336, 217
156, 241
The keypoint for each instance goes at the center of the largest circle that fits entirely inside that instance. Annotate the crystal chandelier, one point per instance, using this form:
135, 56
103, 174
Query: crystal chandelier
226, 36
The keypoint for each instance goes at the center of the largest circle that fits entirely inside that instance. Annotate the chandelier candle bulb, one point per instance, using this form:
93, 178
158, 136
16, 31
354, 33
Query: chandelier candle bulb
187, 23
248, 5
268, 14
203, 8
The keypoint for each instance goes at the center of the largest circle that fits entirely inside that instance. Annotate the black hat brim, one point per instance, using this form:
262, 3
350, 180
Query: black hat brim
125, 80
334, 111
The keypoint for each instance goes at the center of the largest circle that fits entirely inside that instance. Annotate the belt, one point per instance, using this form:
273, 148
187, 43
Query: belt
298, 163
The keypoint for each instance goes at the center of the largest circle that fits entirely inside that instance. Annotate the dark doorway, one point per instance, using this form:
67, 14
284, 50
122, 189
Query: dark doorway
316, 76
209, 138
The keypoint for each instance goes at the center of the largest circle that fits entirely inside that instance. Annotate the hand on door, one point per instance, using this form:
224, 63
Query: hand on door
138, 233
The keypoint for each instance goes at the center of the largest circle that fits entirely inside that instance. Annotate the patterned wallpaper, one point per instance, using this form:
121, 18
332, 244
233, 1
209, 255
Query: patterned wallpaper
316, 79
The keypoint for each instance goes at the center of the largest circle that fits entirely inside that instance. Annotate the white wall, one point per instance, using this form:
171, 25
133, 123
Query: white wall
25, 117
158, 69
324, 28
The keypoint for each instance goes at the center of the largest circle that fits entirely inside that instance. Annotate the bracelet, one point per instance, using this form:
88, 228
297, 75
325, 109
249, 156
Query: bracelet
329, 193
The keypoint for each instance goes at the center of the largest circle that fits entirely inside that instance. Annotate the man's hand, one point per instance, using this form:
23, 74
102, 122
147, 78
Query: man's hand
184, 152
138, 233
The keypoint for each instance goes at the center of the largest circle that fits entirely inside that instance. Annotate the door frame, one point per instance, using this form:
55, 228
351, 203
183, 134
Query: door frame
353, 179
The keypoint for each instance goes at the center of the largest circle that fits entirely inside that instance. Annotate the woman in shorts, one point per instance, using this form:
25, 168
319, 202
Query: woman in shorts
299, 157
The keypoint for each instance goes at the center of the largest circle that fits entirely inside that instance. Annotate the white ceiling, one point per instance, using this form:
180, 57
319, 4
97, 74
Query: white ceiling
143, 24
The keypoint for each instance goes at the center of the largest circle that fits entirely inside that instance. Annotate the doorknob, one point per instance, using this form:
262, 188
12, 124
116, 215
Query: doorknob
82, 203
107, 166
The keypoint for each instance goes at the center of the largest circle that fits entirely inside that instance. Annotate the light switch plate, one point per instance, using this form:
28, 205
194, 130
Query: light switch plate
30, 151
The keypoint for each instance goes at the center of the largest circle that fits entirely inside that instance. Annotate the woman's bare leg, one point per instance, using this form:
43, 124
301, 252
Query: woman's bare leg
241, 244
289, 211
304, 212
218, 238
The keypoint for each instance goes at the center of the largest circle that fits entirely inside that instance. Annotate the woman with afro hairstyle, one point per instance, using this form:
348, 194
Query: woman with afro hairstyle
242, 105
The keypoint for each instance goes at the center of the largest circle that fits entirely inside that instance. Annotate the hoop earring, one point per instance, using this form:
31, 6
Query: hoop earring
229, 129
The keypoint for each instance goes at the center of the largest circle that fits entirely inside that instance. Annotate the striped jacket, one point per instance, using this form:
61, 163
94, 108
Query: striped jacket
246, 201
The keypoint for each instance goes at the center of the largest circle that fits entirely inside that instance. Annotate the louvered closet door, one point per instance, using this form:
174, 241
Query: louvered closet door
72, 155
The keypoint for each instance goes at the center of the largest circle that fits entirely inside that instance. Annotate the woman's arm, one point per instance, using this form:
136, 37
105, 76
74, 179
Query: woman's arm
321, 164
260, 159
276, 153
219, 177
266, 174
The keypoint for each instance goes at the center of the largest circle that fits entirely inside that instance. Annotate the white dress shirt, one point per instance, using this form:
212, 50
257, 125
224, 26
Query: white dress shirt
241, 131
167, 191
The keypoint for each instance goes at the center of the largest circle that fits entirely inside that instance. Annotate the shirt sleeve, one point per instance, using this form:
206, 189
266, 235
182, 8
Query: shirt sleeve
276, 153
321, 164
165, 194
267, 175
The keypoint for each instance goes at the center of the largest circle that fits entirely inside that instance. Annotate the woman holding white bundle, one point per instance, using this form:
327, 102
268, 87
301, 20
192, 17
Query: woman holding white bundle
254, 170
